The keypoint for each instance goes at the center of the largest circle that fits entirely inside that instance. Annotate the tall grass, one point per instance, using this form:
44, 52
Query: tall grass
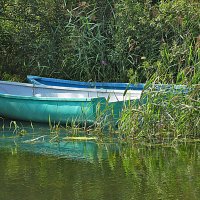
99, 41
163, 116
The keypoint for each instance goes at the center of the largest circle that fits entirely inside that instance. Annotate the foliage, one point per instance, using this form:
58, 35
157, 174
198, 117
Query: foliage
159, 39
165, 115
100, 40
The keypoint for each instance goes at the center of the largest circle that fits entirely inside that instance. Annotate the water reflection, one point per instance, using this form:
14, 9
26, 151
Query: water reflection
91, 170
41, 140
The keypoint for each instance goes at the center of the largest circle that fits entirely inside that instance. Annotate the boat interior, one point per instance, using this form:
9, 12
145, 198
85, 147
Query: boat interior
30, 90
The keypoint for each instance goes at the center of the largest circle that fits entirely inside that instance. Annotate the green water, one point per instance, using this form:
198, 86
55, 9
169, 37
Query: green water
46, 169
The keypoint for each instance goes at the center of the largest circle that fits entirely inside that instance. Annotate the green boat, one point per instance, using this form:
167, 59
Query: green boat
21, 101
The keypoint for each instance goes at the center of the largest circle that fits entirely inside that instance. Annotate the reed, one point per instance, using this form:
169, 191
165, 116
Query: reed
166, 116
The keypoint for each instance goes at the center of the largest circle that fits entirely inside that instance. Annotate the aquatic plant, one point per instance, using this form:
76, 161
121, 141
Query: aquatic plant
164, 115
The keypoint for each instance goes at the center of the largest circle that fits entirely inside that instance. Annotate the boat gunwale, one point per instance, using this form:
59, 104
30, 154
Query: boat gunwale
35, 98
71, 89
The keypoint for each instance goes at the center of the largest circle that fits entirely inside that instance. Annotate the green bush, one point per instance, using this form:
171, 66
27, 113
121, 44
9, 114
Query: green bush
100, 40
158, 39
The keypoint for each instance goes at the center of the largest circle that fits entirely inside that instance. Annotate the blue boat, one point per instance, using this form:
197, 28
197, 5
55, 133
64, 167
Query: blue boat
173, 88
78, 84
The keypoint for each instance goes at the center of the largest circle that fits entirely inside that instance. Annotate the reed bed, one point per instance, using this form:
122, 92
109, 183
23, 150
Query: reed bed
163, 116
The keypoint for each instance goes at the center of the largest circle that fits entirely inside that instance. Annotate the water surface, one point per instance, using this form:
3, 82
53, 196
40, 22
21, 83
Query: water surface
59, 169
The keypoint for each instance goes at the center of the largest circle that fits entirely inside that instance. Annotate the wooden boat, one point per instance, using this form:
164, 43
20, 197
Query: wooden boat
39, 103
78, 84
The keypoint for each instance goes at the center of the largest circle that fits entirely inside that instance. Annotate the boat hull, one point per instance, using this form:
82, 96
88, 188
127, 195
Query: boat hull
63, 111
37, 103
48, 110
